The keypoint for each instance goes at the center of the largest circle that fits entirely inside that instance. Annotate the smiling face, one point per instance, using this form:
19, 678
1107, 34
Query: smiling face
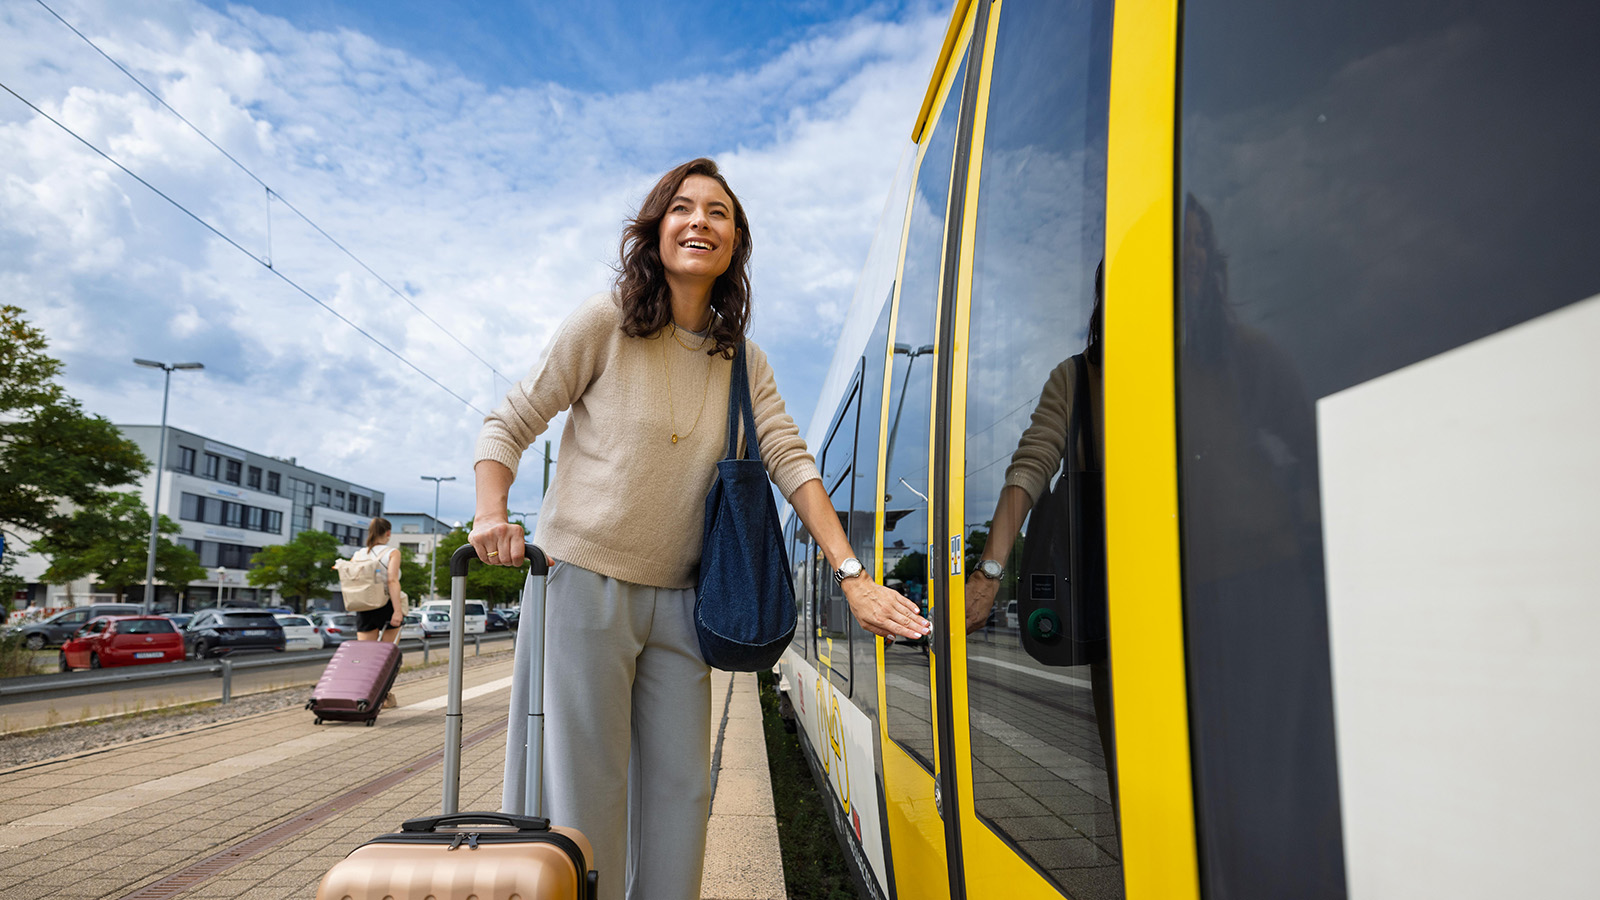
698, 234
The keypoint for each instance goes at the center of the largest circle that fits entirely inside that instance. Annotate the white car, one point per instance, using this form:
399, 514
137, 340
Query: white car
299, 633
435, 622
477, 615
412, 629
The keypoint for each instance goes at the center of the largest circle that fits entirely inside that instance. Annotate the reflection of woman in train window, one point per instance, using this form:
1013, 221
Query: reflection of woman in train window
1061, 599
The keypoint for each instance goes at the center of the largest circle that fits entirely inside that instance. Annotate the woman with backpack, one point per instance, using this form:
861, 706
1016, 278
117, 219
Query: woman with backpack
385, 621
645, 370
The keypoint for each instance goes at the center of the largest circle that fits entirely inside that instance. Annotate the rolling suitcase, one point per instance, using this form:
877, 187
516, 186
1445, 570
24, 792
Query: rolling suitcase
481, 855
358, 677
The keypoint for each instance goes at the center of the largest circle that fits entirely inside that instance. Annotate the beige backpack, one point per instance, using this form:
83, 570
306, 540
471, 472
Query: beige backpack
364, 579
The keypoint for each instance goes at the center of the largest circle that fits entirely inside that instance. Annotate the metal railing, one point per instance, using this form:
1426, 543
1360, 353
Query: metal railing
64, 681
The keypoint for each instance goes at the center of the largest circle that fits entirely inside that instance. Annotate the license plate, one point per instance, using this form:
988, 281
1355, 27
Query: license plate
254, 632
150, 654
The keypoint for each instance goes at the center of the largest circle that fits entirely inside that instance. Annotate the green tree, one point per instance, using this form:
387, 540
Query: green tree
110, 539
413, 575
498, 585
50, 449
301, 570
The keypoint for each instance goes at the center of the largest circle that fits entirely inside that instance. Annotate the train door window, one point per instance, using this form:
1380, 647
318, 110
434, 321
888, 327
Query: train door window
834, 635
1038, 672
911, 364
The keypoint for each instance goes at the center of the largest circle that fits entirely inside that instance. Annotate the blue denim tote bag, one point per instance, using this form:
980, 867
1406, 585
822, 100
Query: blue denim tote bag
744, 611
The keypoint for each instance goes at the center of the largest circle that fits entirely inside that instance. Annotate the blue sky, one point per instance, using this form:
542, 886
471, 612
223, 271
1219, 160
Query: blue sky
479, 157
590, 46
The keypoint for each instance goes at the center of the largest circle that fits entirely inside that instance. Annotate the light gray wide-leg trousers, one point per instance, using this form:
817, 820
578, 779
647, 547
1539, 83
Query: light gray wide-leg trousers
624, 683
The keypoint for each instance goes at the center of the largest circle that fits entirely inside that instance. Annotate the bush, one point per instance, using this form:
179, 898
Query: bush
15, 659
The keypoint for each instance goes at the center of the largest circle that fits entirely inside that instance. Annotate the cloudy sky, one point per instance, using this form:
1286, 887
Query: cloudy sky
478, 158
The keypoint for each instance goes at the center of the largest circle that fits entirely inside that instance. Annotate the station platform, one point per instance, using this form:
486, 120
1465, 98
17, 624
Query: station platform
260, 807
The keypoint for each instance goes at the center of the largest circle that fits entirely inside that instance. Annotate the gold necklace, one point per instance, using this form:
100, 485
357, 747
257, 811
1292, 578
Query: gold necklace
699, 346
672, 418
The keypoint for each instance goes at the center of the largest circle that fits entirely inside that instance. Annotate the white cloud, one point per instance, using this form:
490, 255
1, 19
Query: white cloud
496, 211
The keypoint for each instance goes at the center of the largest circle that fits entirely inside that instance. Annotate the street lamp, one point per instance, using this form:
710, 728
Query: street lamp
161, 460
911, 356
433, 550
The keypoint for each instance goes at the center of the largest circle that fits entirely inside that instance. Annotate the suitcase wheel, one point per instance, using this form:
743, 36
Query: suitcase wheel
318, 721
371, 722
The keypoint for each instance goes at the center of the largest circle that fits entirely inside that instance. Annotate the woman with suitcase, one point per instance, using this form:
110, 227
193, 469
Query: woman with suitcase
627, 693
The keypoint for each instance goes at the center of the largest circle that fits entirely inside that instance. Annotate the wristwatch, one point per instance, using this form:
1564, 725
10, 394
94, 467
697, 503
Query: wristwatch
991, 570
850, 568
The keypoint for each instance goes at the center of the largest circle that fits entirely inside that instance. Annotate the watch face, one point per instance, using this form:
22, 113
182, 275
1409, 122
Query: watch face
991, 569
850, 568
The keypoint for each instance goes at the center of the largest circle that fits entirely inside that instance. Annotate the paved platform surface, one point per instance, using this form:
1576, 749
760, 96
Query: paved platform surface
261, 807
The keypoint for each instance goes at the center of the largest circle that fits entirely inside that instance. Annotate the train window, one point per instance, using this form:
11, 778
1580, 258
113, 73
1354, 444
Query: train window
1353, 252
1040, 697
909, 718
864, 506
794, 536
835, 637
800, 562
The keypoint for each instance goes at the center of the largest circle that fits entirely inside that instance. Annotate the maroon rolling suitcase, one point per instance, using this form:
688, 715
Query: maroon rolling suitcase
355, 682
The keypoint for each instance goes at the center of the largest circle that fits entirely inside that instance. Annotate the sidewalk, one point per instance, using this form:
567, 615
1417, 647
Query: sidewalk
260, 807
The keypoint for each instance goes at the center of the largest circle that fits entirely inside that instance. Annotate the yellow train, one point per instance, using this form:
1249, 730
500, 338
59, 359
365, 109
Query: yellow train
1282, 582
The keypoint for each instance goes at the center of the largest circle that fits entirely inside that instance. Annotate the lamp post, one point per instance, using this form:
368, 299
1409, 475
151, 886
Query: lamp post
161, 461
911, 356
433, 549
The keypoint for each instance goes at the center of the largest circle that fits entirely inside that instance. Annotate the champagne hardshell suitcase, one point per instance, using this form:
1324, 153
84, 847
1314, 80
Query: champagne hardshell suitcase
355, 682
482, 855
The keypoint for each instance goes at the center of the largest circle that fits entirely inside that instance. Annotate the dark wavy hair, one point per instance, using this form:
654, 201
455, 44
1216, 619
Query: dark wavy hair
641, 282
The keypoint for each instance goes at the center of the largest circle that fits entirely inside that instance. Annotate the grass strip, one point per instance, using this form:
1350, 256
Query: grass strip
814, 866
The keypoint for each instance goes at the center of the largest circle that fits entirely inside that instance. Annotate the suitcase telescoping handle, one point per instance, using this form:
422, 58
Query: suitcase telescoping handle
532, 618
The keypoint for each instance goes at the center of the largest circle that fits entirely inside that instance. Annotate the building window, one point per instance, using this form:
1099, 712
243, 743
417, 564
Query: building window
186, 459
189, 507
366, 506
274, 483
327, 496
234, 470
254, 480
274, 522
377, 507
213, 465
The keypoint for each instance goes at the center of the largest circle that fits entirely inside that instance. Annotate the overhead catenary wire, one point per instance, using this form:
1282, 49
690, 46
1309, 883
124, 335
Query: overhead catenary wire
237, 246
273, 194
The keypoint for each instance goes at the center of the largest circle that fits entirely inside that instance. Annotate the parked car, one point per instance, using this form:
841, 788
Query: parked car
511, 616
299, 633
435, 622
412, 629
215, 632
122, 641
477, 613
335, 627
495, 622
179, 621
63, 625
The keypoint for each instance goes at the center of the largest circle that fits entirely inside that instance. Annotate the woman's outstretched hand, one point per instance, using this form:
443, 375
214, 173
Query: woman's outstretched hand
499, 543
884, 611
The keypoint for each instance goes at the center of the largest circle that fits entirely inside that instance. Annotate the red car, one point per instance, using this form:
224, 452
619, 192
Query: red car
122, 641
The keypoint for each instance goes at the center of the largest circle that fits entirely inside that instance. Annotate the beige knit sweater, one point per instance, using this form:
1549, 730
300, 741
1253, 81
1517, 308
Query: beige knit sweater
625, 501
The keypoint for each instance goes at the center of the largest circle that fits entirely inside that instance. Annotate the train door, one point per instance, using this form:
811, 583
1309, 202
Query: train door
1032, 713
1029, 716
913, 801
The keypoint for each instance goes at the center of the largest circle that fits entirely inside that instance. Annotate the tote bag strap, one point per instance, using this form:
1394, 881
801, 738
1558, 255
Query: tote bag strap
739, 403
